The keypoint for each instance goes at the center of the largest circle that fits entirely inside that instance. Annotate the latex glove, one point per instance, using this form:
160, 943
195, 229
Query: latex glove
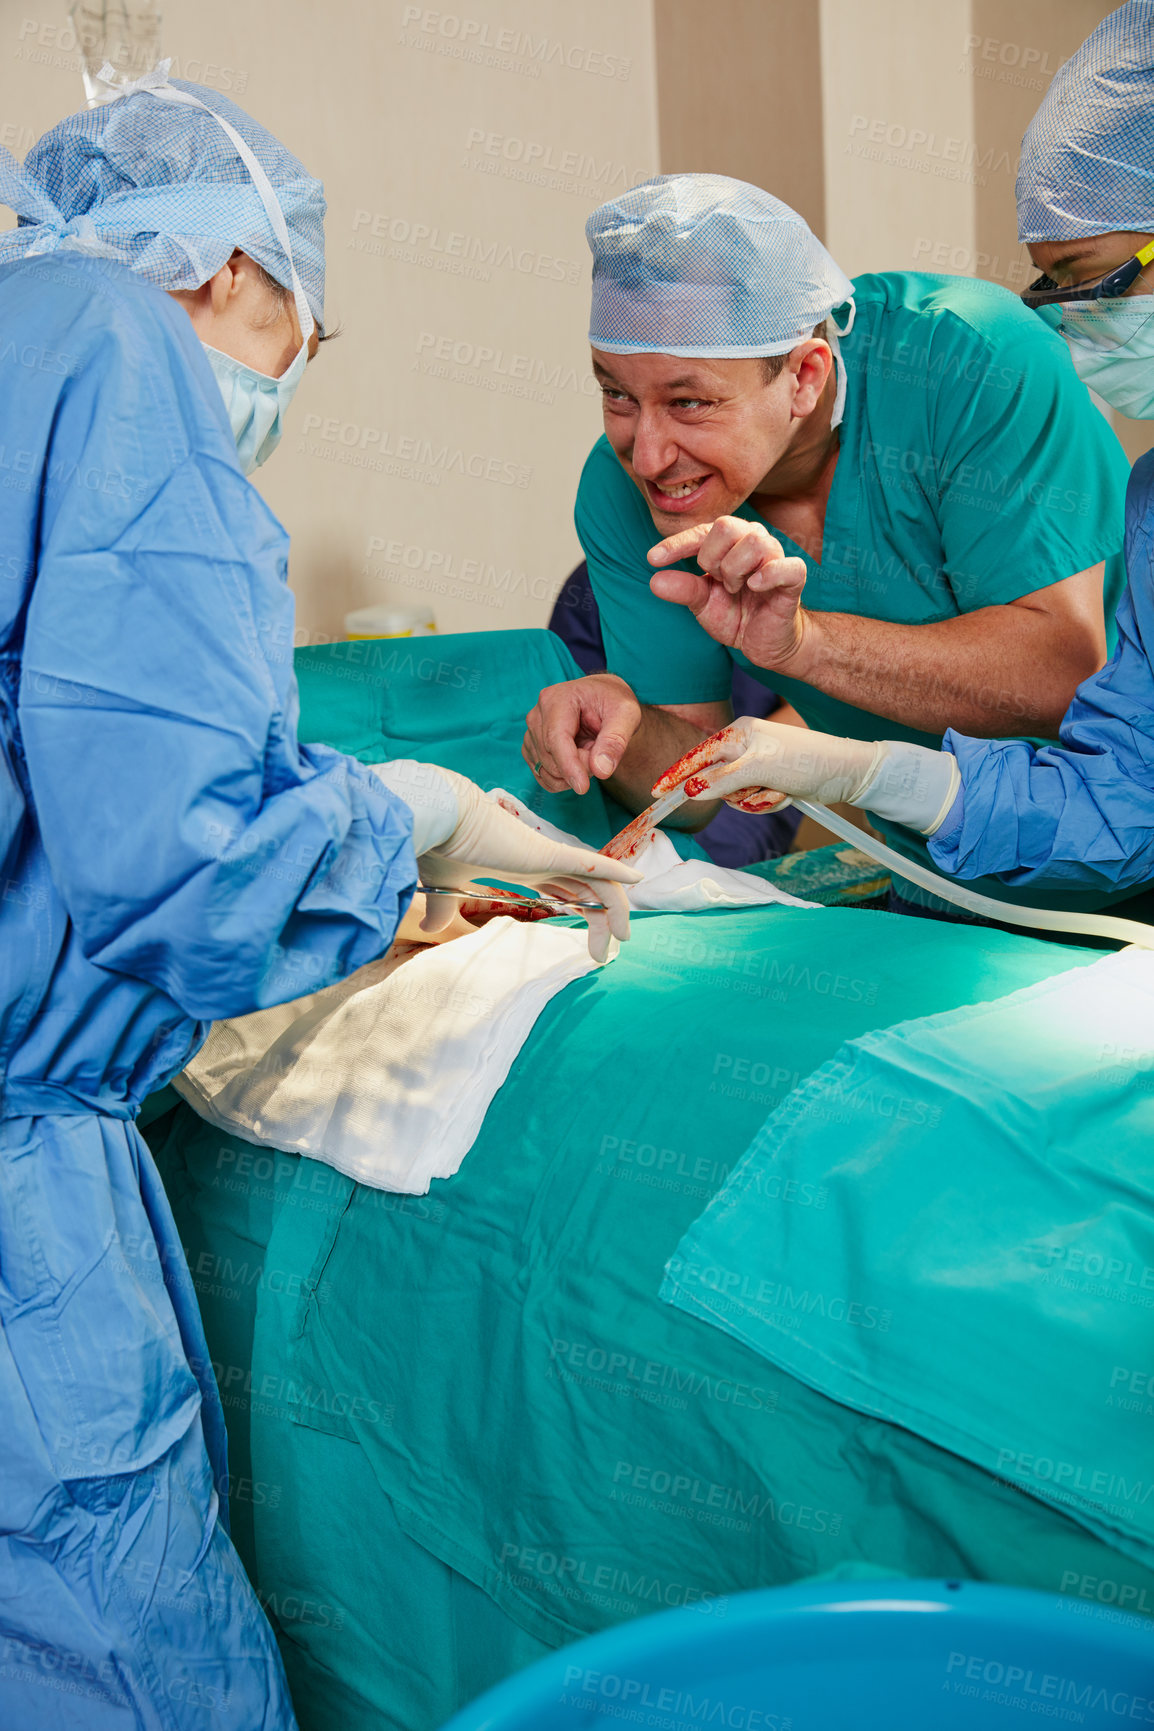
460, 835
759, 765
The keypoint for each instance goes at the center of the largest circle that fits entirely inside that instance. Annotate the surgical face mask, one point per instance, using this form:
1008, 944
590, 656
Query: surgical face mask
1111, 344
255, 403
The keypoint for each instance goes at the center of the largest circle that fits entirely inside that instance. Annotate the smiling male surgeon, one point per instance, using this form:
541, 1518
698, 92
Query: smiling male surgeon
1079, 816
908, 463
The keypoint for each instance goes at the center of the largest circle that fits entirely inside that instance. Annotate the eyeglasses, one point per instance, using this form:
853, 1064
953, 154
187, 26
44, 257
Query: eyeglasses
1047, 293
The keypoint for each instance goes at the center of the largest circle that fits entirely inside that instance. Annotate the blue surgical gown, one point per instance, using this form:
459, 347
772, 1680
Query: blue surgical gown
171, 854
1080, 813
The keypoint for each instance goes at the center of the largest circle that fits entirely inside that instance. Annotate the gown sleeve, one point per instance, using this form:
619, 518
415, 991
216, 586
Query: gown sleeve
1079, 813
195, 844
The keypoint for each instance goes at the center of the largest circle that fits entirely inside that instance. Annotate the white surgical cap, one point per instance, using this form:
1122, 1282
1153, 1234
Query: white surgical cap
1087, 163
161, 186
706, 266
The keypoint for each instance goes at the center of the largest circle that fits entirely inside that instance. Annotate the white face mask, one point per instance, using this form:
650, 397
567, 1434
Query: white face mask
255, 402
1111, 344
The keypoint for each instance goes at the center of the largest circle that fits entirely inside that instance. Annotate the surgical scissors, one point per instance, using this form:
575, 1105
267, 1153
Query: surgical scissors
624, 845
511, 899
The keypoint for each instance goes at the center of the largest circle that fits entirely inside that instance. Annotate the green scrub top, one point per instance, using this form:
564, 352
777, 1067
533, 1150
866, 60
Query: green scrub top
974, 469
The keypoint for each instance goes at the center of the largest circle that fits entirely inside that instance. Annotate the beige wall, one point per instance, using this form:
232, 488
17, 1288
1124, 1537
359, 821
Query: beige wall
435, 447
743, 97
899, 132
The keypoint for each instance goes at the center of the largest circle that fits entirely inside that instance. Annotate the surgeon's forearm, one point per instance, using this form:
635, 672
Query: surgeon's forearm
996, 672
661, 739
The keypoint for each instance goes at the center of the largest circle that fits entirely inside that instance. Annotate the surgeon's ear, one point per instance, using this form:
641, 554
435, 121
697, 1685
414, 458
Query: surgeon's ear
810, 365
212, 299
228, 283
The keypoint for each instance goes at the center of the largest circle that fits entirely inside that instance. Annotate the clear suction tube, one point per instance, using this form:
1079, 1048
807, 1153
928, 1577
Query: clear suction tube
1046, 919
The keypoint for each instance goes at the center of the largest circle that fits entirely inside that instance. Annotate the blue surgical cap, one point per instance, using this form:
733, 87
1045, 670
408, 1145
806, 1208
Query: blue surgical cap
1087, 163
161, 186
706, 266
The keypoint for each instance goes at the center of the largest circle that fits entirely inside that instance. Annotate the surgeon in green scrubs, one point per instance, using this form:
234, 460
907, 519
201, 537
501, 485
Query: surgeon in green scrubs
909, 463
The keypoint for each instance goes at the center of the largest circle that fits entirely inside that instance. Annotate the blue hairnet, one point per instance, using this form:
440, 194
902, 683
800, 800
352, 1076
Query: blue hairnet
702, 265
161, 186
1087, 163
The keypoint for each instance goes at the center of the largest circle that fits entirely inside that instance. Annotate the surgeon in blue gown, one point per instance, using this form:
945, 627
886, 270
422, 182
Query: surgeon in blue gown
171, 854
1080, 813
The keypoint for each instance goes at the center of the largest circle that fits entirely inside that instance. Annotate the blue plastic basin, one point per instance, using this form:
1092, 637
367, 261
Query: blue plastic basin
859, 1656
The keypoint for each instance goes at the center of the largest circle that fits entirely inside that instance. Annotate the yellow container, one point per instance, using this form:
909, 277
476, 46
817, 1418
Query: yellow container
385, 621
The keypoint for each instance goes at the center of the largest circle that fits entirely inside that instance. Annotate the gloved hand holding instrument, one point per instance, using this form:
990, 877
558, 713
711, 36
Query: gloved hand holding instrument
763, 765
460, 835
